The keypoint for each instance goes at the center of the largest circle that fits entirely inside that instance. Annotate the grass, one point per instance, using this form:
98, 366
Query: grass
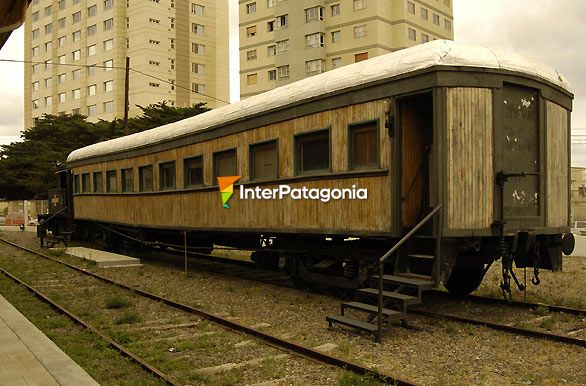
128, 317
117, 302
352, 379
541, 311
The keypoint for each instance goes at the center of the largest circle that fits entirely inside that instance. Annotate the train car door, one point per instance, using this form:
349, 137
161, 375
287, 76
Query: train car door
416, 133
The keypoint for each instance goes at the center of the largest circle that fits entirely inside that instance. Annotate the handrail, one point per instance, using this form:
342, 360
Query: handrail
390, 252
53, 215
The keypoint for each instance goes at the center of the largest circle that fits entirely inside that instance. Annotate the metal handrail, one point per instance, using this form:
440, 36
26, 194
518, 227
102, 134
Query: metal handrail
45, 221
390, 252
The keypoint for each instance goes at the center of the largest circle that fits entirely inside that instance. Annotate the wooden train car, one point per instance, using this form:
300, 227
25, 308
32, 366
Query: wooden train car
366, 152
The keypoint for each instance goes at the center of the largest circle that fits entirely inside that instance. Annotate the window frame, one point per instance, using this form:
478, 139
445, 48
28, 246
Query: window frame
351, 151
141, 185
298, 137
109, 188
86, 186
160, 169
95, 186
215, 163
251, 164
186, 185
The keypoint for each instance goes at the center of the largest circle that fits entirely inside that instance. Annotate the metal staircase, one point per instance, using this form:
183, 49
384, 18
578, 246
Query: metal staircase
387, 299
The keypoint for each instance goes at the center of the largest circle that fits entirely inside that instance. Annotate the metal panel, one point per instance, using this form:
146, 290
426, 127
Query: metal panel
470, 179
557, 164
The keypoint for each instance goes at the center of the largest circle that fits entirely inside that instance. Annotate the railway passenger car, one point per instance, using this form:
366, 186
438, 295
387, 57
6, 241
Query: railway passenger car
479, 135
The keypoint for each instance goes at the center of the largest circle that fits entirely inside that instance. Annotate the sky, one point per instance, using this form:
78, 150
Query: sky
550, 31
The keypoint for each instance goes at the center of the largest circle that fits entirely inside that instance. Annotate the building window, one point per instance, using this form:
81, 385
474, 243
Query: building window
108, 4
145, 178
61, 5
167, 175
270, 26
251, 55
108, 65
35, 16
359, 4
108, 85
283, 72
336, 62
272, 50
35, 104
127, 180
272, 74
76, 187
108, 44
264, 161
448, 25
335, 10
61, 97
197, 9
312, 152
36, 51
35, 68
91, 70
76, 17
251, 79
91, 90
36, 33
76, 74
76, 55
49, 101
314, 40
282, 21
193, 171
76, 93
251, 31
48, 10
92, 11
364, 145
48, 46
76, 111
424, 14
197, 68
250, 8
48, 64
61, 78
411, 7
225, 164
48, 29
198, 48
314, 14
436, 19
197, 29
36, 86
92, 29
198, 88
424, 38
76, 36
111, 181
360, 31
108, 24
61, 23
282, 47
336, 36
92, 110
98, 183
61, 41
48, 82
91, 50
85, 183
411, 34
313, 67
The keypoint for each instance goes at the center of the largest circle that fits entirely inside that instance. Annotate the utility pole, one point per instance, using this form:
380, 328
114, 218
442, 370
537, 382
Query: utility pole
126, 87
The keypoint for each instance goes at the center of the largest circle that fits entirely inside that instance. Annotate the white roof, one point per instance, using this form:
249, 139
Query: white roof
435, 53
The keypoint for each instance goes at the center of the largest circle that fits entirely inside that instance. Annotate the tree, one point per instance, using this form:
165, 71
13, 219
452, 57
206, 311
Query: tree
27, 168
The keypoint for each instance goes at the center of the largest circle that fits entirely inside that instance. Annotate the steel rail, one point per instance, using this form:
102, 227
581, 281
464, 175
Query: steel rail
116, 346
274, 341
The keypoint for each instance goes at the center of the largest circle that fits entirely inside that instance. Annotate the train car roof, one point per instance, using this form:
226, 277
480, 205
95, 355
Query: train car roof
433, 54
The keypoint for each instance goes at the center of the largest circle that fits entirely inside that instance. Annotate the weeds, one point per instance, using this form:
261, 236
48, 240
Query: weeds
351, 379
541, 311
127, 318
117, 302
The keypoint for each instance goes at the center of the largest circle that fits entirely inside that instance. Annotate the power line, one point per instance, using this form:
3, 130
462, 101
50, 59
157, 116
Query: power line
113, 67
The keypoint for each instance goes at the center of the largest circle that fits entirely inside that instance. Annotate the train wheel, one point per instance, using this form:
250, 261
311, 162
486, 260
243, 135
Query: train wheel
464, 279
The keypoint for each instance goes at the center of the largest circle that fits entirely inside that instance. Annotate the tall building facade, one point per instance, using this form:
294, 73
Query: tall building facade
75, 53
282, 41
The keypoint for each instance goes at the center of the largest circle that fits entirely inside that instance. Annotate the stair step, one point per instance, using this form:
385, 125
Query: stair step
421, 284
373, 309
423, 257
349, 322
424, 237
415, 276
407, 299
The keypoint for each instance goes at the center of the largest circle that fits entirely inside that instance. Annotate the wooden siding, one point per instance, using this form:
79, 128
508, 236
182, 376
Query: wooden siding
557, 165
470, 176
202, 209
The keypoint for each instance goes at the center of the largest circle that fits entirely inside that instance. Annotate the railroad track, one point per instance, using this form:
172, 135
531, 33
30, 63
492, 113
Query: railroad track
179, 327
247, 270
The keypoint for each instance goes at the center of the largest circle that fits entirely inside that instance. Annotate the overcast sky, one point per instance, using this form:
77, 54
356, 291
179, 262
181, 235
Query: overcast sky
551, 31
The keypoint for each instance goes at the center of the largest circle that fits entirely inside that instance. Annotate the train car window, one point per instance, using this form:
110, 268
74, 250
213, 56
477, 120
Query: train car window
312, 152
364, 145
98, 184
193, 171
167, 175
145, 178
127, 180
85, 183
111, 181
225, 163
76, 183
264, 161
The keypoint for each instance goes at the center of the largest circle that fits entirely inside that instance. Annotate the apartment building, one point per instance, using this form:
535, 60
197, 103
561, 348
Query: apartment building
75, 52
282, 41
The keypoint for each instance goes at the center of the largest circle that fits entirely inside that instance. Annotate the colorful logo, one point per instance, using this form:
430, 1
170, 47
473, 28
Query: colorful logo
227, 188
